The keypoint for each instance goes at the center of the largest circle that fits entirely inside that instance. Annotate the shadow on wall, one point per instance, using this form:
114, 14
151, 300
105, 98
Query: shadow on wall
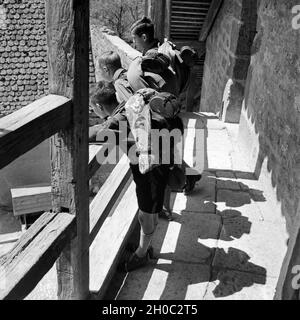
234, 90
270, 121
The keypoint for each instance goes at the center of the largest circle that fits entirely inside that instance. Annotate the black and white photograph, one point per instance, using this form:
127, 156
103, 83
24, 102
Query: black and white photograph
149, 153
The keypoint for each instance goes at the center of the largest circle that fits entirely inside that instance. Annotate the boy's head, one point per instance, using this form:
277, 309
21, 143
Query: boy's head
142, 32
103, 99
108, 64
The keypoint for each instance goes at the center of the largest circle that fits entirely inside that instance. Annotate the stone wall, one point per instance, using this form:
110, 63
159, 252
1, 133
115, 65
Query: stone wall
269, 128
227, 59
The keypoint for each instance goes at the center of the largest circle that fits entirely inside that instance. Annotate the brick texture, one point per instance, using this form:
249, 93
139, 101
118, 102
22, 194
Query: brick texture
23, 54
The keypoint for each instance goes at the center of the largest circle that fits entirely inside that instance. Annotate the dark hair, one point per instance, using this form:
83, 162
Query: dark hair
111, 60
104, 93
143, 26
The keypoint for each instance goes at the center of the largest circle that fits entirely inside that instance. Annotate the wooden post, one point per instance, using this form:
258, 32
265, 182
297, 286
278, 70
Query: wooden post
157, 9
167, 19
68, 62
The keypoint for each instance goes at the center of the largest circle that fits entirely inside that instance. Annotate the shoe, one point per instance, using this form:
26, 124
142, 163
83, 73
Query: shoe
190, 183
150, 251
136, 262
167, 215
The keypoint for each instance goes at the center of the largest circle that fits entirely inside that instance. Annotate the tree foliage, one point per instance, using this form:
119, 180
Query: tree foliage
118, 15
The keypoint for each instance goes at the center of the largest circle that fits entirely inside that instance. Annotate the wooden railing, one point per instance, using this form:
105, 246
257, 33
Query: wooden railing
65, 234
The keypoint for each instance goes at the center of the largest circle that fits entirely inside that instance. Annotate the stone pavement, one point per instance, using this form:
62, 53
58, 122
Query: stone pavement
225, 242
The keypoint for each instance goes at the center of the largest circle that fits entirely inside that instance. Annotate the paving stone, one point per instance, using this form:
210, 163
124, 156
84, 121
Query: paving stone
218, 150
235, 225
233, 199
225, 174
201, 200
251, 211
236, 285
260, 251
180, 240
166, 280
270, 208
228, 184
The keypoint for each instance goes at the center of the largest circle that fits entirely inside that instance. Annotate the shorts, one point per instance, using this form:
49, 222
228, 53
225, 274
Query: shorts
150, 187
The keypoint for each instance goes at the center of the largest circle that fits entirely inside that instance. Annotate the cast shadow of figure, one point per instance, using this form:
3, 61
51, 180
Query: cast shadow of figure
188, 255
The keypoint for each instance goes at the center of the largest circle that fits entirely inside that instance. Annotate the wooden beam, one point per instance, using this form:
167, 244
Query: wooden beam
26, 128
107, 196
68, 64
30, 199
158, 11
36, 198
210, 19
167, 19
107, 247
34, 254
94, 165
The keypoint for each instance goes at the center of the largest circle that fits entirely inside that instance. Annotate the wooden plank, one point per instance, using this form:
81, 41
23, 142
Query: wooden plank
284, 289
158, 18
68, 65
210, 19
35, 198
107, 247
26, 128
26, 264
94, 165
168, 17
107, 196
31, 199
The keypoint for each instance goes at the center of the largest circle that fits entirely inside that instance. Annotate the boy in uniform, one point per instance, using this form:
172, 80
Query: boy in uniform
150, 186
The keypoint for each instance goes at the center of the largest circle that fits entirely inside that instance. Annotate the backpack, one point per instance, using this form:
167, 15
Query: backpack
145, 108
164, 68
180, 61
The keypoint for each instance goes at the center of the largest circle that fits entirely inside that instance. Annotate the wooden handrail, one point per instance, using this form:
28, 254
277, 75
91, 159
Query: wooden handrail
34, 254
24, 129
94, 165
107, 247
210, 19
40, 246
107, 196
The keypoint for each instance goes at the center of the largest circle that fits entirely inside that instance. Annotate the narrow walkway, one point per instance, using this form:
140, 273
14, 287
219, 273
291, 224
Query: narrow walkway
224, 243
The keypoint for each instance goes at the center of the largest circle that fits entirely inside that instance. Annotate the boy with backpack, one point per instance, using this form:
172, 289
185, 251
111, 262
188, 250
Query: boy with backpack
172, 65
151, 182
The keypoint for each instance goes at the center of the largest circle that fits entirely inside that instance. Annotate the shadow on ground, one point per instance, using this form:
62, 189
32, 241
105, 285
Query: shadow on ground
185, 265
